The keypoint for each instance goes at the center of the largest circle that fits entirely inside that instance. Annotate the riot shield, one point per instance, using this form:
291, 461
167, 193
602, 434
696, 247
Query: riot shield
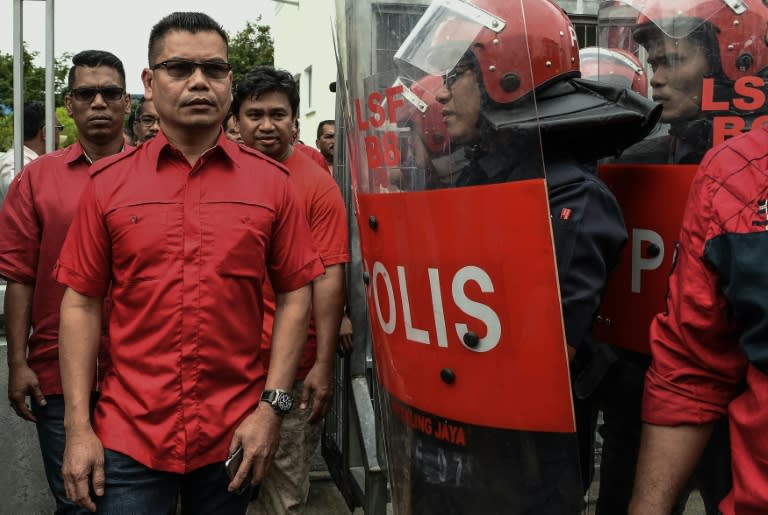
707, 63
461, 276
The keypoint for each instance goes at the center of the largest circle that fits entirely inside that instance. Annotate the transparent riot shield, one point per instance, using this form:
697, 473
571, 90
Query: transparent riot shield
706, 63
457, 246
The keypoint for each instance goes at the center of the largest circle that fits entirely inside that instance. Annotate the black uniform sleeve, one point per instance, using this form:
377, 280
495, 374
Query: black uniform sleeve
589, 233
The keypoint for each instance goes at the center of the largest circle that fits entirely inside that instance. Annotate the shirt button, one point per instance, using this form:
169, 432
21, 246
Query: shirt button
134, 219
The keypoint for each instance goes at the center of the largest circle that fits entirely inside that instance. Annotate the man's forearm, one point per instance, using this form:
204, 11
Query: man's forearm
79, 339
328, 299
289, 333
18, 320
668, 455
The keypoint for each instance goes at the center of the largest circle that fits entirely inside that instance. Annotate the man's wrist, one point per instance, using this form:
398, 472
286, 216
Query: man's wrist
78, 425
273, 414
280, 400
17, 361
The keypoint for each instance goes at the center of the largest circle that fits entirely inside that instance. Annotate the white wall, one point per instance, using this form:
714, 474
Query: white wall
303, 39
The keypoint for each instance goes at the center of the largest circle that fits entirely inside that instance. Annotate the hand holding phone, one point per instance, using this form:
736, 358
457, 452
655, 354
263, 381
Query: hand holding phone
233, 464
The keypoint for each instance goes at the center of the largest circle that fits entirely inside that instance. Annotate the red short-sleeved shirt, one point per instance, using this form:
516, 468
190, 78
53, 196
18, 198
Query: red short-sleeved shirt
314, 154
33, 223
187, 249
327, 219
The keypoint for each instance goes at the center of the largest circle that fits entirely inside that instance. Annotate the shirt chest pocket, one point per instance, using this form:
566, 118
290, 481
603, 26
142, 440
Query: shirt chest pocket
139, 242
237, 236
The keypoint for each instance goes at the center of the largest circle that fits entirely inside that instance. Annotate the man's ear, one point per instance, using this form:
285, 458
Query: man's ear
68, 105
147, 78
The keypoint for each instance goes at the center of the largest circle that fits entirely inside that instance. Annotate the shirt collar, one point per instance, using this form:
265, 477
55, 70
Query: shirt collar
159, 145
74, 152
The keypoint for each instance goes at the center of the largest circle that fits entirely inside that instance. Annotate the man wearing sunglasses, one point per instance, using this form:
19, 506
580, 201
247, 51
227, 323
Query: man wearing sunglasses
33, 223
34, 144
146, 122
181, 233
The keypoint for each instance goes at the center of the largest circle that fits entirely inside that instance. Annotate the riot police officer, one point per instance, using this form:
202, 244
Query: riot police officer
517, 119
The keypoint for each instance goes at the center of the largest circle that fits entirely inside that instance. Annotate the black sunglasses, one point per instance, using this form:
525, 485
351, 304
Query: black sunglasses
450, 78
184, 68
109, 94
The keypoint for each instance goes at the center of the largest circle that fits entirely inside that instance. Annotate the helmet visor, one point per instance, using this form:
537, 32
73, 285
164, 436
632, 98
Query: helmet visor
680, 18
443, 35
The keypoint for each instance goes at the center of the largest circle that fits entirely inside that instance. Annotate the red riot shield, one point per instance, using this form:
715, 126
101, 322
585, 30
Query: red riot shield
706, 63
636, 291
461, 281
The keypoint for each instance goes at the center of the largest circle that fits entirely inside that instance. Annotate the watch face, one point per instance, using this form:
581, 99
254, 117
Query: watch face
284, 402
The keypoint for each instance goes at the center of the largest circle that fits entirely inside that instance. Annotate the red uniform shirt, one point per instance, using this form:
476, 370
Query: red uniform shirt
315, 154
327, 219
710, 346
33, 223
187, 249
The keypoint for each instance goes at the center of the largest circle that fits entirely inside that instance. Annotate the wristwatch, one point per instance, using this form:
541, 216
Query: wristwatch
280, 400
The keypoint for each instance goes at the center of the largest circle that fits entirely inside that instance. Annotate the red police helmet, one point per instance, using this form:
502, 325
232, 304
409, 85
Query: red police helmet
739, 29
519, 45
613, 66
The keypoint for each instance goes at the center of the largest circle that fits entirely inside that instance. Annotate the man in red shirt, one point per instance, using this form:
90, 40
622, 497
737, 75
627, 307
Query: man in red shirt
709, 350
266, 101
33, 223
184, 230
326, 139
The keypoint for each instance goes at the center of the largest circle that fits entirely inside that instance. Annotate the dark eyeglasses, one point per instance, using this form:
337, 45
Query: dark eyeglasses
148, 121
184, 68
109, 94
450, 78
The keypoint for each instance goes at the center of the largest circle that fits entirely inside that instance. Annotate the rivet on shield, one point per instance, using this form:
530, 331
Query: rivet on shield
373, 223
744, 62
491, 68
653, 250
471, 340
731, 47
366, 278
448, 376
510, 82
495, 42
548, 64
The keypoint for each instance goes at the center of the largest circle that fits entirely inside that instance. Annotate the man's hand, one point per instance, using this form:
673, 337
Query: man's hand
259, 436
83, 458
22, 381
345, 336
318, 387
